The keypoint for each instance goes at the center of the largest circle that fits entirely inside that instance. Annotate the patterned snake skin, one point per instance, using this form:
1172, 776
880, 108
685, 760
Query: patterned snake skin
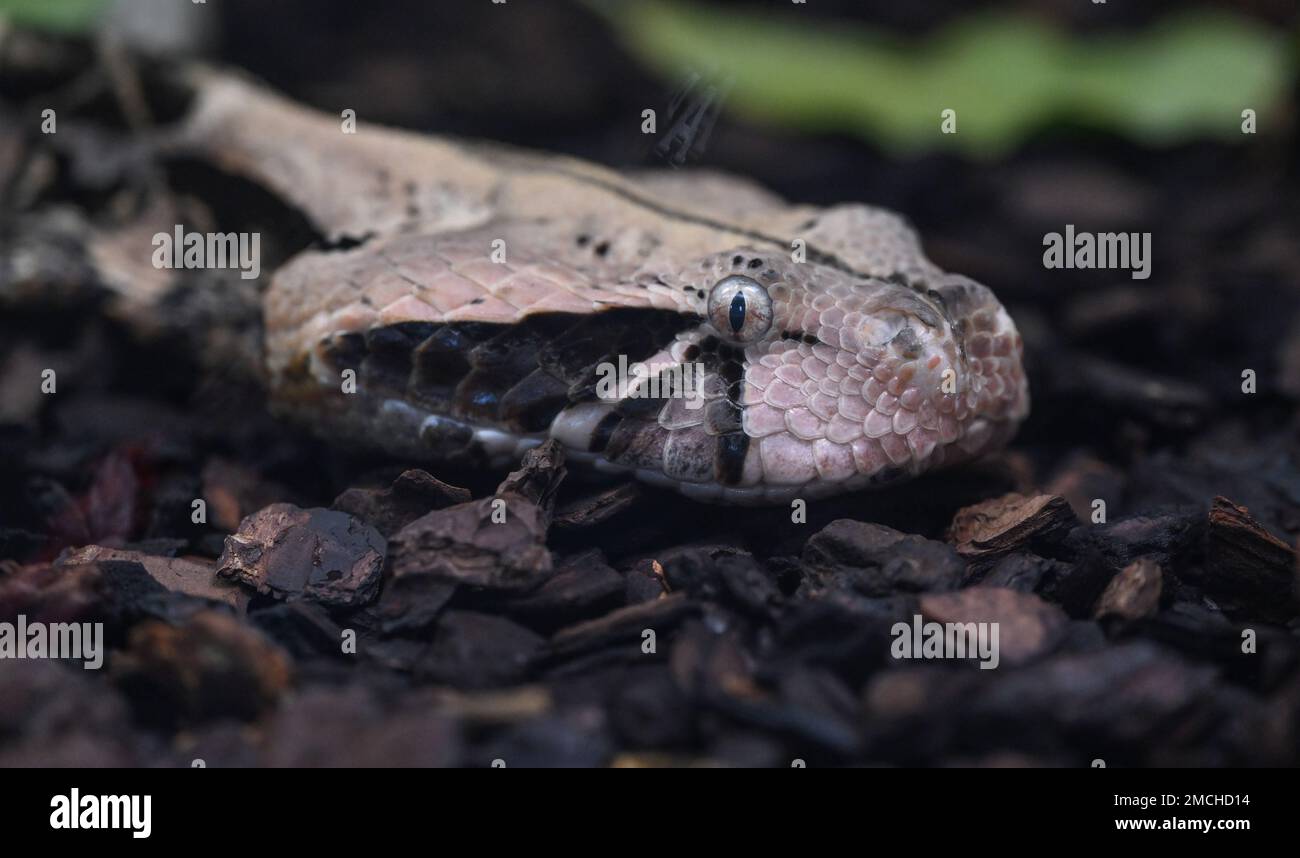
480, 291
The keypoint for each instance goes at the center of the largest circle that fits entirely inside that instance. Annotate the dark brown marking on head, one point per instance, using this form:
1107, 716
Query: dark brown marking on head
532, 404
729, 458
514, 376
637, 443
722, 416
345, 351
442, 360
604, 430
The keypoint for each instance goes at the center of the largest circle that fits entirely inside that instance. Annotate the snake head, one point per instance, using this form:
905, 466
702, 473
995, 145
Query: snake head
812, 381
768, 379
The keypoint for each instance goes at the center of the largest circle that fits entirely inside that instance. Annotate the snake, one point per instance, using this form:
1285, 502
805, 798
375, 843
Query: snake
468, 301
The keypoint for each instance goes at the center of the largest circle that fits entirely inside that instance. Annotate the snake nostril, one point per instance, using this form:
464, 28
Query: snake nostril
907, 344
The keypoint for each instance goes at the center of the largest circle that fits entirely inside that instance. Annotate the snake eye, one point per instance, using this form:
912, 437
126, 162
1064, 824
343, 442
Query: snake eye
740, 309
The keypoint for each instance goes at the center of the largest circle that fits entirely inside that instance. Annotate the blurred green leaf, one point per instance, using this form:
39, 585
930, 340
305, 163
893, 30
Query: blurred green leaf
1005, 75
65, 16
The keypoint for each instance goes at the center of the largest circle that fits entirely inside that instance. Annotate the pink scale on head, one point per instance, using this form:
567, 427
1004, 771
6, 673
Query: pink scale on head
922, 443
823, 405
872, 390
854, 408
751, 394
870, 356
813, 368
786, 460
804, 424
911, 399
927, 414
904, 421
842, 430
484, 271
877, 425
868, 456
455, 289
761, 420
782, 395
895, 447
758, 376
409, 308
386, 287
833, 461
949, 428
791, 374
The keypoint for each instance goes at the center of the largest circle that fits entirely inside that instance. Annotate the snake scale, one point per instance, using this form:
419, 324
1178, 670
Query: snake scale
476, 294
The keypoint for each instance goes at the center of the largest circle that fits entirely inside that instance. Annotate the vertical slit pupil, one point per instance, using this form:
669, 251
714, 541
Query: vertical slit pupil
736, 315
